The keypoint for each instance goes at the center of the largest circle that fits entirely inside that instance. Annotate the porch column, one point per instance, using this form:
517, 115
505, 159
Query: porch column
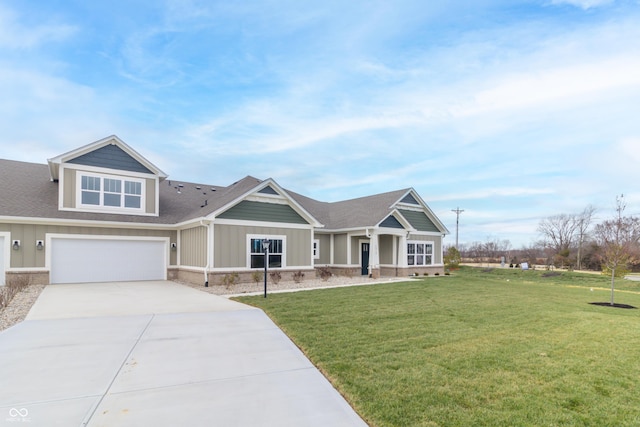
374, 256
402, 251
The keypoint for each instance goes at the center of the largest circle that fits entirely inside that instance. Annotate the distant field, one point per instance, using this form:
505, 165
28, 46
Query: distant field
482, 347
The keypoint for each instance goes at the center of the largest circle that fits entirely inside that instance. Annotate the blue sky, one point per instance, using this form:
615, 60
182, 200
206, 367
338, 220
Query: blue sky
512, 111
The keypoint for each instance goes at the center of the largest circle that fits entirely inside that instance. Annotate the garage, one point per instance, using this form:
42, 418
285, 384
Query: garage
83, 259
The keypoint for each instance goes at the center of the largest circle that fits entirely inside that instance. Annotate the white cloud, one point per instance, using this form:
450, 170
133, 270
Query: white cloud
583, 4
15, 35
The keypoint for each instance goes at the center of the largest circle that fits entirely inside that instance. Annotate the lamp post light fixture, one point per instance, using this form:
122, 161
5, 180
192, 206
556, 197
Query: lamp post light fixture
265, 248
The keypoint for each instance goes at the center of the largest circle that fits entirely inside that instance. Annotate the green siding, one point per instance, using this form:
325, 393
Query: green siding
391, 222
419, 220
258, 211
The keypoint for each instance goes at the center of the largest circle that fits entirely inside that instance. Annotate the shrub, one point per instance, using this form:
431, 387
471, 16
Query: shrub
452, 258
324, 273
14, 285
425, 274
257, 276
230, 279
275, 277
298, 276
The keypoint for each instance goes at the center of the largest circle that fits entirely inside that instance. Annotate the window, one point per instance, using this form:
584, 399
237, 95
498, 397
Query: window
420, 253
110, 192
316, 248
276, 252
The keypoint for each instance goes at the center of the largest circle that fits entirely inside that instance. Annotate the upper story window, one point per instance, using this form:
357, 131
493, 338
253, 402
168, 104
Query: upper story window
110, 192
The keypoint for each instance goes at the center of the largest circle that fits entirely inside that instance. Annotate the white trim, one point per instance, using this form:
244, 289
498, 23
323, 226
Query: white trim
102, 208
27, 269
270, 237
107, 171
415, 254
291, 202
262, 224
86, 223
55, 162
6, 256
315, 248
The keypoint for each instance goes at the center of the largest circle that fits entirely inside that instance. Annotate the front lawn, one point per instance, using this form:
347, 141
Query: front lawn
497, 347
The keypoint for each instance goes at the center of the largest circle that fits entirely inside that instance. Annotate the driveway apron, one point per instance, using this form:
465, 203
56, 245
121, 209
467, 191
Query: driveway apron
157, 354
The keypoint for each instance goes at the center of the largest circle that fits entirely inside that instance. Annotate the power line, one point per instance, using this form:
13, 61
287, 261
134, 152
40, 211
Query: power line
458, 211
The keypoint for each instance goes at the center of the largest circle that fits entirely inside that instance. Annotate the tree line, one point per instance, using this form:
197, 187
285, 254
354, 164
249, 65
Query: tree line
573, 241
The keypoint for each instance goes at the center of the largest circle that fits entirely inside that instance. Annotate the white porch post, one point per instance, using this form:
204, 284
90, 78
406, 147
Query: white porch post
374, 256
402, 252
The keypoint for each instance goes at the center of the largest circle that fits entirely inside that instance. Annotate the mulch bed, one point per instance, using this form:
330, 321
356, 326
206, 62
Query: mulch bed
615, 305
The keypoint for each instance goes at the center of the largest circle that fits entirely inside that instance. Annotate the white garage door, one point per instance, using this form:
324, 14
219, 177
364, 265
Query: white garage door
80, 260
2, 260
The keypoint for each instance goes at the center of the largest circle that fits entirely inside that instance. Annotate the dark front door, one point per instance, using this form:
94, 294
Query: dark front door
365, 259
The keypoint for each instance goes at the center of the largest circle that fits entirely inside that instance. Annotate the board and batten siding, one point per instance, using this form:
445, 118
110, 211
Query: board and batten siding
340, 249
437, 245
325, 249
29, 257
385, 243
193, 247
230, 247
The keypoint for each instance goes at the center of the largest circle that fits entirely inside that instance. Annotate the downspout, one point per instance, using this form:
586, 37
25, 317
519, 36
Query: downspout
206, 268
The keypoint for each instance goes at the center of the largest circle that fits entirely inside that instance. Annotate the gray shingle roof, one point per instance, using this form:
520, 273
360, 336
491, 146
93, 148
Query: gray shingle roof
26, 190
354, 213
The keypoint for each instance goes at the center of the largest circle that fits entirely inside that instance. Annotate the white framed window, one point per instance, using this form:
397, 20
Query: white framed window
109, 192
419, 253
277, 251
316, 248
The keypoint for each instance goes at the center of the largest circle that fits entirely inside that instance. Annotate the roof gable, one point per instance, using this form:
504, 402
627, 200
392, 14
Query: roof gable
110, 152
111, 157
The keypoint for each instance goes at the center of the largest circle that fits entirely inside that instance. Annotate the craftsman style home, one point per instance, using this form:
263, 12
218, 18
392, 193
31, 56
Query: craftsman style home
103, 213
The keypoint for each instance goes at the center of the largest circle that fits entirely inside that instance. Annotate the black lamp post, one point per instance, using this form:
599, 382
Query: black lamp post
265, 248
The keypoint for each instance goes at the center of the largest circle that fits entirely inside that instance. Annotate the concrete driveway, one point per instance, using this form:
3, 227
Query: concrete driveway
157, 354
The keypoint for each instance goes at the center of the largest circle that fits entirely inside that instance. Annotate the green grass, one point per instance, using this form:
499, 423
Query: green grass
496, 348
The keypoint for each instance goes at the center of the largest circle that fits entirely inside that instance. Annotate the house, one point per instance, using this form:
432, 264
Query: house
103, 212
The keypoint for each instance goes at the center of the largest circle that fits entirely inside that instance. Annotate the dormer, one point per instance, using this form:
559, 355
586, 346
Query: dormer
106, 176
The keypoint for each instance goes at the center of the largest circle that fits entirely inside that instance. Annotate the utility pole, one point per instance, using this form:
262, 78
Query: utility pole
458, 211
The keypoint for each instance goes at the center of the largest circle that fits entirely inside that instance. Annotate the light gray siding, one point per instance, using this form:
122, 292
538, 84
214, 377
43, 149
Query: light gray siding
193, 247
340, 249
386, 249
230, 250
325, 249
437, 245
29, 257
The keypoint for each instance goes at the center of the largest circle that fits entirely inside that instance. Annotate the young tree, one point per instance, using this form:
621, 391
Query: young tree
452, 258
618, 239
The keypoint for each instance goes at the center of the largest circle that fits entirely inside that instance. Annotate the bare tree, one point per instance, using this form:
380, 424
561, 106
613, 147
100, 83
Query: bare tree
558, 232
582, 229
619, 240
